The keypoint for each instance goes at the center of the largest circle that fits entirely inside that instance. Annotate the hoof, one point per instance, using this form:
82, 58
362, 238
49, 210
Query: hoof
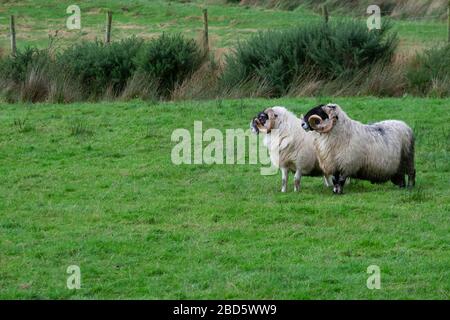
337, 190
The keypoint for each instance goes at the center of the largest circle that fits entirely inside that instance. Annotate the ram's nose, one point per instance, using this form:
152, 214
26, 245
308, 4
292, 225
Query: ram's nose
253, 127
305, 126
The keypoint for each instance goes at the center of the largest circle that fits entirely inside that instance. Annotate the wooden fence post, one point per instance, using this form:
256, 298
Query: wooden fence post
325, 13
205, 32
12, 28
108, 27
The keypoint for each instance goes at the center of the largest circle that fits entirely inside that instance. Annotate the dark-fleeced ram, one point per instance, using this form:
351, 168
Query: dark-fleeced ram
347, 148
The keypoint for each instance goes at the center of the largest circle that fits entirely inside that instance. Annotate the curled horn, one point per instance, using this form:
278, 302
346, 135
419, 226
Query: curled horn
315, 121
320, 125
270, 122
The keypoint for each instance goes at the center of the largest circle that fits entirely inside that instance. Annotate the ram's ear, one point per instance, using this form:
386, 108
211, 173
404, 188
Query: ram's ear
330, 109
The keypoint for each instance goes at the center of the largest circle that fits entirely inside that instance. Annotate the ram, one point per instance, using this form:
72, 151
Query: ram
290, 147
347, 148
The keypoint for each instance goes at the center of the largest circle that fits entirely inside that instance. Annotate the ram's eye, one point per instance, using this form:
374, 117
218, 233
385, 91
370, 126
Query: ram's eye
316, 121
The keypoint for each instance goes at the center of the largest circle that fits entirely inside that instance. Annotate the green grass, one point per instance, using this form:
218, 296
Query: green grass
93, 185
147, 18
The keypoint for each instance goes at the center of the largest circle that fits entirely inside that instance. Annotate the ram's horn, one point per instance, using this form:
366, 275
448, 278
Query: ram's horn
320, 125
271, 120
315, 121
328, 125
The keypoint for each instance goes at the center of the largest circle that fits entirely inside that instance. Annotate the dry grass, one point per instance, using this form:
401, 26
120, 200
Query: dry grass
64, 90
203, 84
377, 80
394, 8
35, 87
414, 8
40, 86
140, 86
308, 85
387, 80
252, 88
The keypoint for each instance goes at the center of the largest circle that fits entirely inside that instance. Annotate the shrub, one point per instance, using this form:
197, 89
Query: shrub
430, 72
99, 66
16, 68
328, 50
24, 77
169, 60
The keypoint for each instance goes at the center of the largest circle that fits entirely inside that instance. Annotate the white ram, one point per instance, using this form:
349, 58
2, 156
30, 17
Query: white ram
290, 147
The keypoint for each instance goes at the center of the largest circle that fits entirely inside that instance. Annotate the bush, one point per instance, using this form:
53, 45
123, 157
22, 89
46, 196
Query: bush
100, 67
25, 77
327, 50
169, 60
93, 70
429, 73
16, 68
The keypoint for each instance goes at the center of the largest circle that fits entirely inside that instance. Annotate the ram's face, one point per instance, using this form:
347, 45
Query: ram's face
262, 118
263, 122
321, 118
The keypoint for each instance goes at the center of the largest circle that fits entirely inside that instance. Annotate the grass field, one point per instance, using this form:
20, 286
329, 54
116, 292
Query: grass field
93, 185
37, 19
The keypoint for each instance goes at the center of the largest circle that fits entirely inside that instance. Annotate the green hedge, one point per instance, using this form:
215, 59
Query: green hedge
16, 68
97, 70
98, 66
329, 51
169, 60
